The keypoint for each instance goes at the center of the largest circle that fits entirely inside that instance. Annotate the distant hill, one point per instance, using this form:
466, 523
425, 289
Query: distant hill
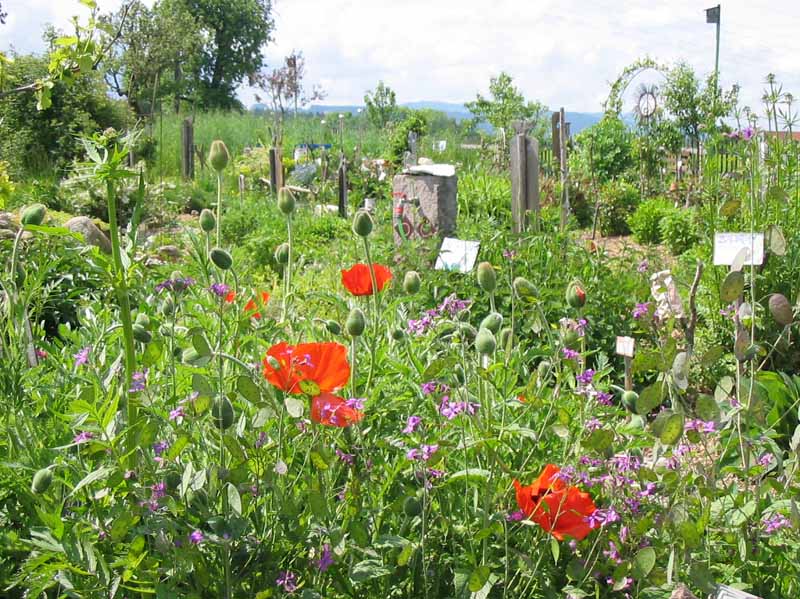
578, 120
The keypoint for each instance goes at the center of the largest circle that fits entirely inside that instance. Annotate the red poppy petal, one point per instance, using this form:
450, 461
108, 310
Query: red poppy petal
332, 410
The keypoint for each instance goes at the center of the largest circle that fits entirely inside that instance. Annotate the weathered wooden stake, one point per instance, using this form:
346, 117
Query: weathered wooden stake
343, 188
625, 348
562, 144
187, 149
524, 179
275, 169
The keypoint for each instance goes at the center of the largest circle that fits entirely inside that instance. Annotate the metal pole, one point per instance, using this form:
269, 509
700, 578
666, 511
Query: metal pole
716, 60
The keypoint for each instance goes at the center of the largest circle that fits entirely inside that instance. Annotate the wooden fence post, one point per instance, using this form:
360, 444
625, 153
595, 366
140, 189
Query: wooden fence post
275, 169
555, 136
342, 181
187, 149
524, 179
562, 145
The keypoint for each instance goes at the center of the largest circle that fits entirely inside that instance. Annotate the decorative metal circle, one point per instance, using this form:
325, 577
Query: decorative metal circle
647, 104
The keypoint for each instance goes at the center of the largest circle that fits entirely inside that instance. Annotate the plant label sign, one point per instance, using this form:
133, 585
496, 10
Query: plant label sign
727, 247
726, 592
625, 346
457, 254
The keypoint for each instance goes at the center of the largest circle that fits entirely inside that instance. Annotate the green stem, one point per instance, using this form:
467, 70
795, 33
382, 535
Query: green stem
121, 290
287, 277
219, 206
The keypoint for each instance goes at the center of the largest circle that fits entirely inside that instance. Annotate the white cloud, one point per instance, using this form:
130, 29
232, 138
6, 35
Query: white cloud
560, 52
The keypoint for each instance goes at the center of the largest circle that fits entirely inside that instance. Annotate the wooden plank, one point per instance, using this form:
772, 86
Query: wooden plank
187, 149
342, 181
532, 182
518, 182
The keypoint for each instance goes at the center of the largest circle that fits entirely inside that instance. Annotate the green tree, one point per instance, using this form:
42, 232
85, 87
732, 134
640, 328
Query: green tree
604, 150
381, 105
235, 31
506, 105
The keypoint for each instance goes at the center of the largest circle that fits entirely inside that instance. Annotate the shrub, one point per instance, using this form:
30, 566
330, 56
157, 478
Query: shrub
398, 145
604, 149
679, 230
645, 222
618, 200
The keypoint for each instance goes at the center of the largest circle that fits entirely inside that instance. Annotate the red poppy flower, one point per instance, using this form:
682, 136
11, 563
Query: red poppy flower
251, 308
357, 280
230, 297
332, 410
311, 368
558, 509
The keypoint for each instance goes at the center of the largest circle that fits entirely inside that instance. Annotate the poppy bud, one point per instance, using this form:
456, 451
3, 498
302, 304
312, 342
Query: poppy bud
487, 278
504, 337
398, 334
286, 201
143, 320
629, 400
218, 155
282, 253
543, 369
362, 223
222, 411
356, 323
208, 222
141, 334
493, 322
167, 306
221, 258
33, 214
41, 481
576, 296
333, 327
467, 331
780, 309
524, 289
485, 342
411, 282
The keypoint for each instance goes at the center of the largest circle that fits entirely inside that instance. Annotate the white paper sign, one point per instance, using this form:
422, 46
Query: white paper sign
457, 254
726, 592
625, 346
728, 245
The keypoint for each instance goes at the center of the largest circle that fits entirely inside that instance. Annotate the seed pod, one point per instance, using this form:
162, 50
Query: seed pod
543, 369
141, 334
356, 323
221, 258
524, 289
398, 334
208, 222
222, 411
286, 203
575, 296
282, 253
781, 309
333, 327
629, 401
168, 306
362, 223
493, 322
504, 337
467, 331
143, 320
33, 214
41, 481
411, 282
487, 278
485, 342
218, 155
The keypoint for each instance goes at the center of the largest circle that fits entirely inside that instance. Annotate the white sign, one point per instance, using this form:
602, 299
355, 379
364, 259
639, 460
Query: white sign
726, 592
728, 245
625, 346
457, 254
441, 145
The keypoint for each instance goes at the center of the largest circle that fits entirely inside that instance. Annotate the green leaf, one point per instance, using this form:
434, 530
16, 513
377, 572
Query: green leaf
643, 562
555, 549
201, 346
672, 430
176, 448
707, 408
437, 366
96, 475
732, 287
776, 241
475, 476
680, 370
294, 407
234, 500
201, 385
318, 505
712, 356
599, 440
650, 398
729, 208
367, 570
478, 578
248, 389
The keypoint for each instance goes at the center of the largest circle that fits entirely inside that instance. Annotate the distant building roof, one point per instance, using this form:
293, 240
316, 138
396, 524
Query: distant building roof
783, 134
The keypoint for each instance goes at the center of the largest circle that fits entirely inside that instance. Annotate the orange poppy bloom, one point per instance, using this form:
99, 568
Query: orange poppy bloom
559, 509
357, 280
230, 297
251, 307
310, 368
332, 410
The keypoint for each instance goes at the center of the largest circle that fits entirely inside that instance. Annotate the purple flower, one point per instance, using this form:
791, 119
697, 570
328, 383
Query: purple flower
220, 290
515, 516
41, 354
775, 522
451, 409
356, 403
262, 439
411, 424
603, 398
701, 426
176, 413
347, 458
641, 310
159, 490
748, 133
765, 460
585, 378
83, 437
593, 424
429, 388
423, 453
509, 254
177, 285
325, 560
196, 537
452, 305
570, 354
160, 447
138, 382
82, 356
644, 265
287, 580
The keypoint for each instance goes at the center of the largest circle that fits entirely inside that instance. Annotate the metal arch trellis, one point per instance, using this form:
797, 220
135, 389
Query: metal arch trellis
614, 101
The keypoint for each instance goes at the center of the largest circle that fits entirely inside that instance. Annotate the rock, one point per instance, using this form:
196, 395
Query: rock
682, 592
7, 222
169, 252
424, 161
321, 209
83, 225
425, 202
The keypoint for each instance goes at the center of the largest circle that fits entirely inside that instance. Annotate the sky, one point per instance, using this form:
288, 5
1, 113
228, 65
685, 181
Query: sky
562, 53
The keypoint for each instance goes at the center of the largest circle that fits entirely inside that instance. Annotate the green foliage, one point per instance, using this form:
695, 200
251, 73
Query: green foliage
36, 141
507, 104
381, 105
645, 222
604, 150
6, 185
398, 144
618, 200
679, 230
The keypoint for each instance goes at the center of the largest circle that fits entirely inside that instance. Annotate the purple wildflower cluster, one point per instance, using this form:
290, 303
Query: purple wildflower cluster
432, 387
644, 266
82, 356
411, 424
325, 560
641, 310
177, 285
775, 522
450, 409
287, 581
570, 324
701, 426
138, 382
745, 134
449, 308
424, 452
83, 437
587, 388
220, 290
